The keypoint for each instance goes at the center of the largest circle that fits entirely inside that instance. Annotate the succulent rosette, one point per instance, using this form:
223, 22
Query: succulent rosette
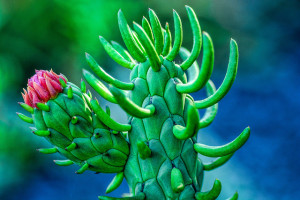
61, 113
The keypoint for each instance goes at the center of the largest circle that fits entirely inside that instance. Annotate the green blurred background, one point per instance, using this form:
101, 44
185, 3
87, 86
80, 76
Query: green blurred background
45, 34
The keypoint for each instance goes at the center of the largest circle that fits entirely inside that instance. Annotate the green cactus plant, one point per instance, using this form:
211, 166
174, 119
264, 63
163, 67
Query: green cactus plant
156, 152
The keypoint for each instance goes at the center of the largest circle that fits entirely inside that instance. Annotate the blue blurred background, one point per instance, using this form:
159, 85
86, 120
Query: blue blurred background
55, 34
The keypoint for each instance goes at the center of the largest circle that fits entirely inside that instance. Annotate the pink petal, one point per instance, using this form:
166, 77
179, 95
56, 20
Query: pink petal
42, 93
43, 82
56, 86
51, 90
33, 96
53, 77
26, 98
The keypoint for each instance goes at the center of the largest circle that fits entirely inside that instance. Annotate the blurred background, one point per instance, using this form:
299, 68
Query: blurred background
266, 96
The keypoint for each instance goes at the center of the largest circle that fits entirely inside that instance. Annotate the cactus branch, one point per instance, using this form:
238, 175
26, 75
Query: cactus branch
183, 133
149, 48
25, 118
157, 31
115, 55
84, 167
105, 118
228, 80
122, 51
26, 107
212, 194
127, 36
63, 162
138, 42
167, 40
217, 163
130, 107
197, 39
210, 112
62, 82
147, 28
70, 92
178, 37
71, 147
43, 107
105, 76
42, 133
115, 183
98, 86
177, 182
206, 68
219, 151
48, 151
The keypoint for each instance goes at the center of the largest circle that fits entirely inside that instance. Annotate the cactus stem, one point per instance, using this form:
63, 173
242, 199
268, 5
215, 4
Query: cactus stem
115, 183
210, 112
98, 86
105, 118
203, 76
63, 83
140, 196
48, 150
183, 133
25, 118
26, 107
63, 162
177, 182
216, 163
82, 169
212, 194
197, 39
105, 76
178, 37
71, 147
227, 82
70, 92
42, 133
234, 197
83, 86
43, 107
149, 48
144, 150
74, 120
130, 107
229, 148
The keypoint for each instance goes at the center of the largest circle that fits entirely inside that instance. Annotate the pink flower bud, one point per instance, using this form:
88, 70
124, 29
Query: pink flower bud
42, 86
